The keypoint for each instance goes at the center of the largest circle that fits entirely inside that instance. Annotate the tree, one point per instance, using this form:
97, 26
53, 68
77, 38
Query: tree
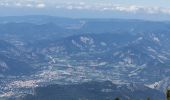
117, 98
148, 98
168, 94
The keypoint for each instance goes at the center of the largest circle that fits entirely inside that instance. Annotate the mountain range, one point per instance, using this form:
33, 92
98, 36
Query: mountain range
37, 51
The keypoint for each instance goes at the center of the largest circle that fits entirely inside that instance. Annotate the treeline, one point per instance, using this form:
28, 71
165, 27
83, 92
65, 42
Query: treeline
94, 91
167, 96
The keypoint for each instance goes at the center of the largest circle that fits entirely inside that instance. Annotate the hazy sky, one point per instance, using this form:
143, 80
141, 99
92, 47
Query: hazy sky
86, 7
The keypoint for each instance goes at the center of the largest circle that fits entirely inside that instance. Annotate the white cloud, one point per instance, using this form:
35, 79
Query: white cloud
29, 5
4, 4
70, 7
84, 5
41, 5
118, 7
18, 4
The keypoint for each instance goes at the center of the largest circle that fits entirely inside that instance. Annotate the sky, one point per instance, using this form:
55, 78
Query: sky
157, 9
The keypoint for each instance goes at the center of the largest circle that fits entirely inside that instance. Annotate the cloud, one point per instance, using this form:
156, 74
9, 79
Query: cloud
84, 5
29, 5
70, 7
118, 7
131, 8
18, 4
41, 5
23, 3
4, 4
